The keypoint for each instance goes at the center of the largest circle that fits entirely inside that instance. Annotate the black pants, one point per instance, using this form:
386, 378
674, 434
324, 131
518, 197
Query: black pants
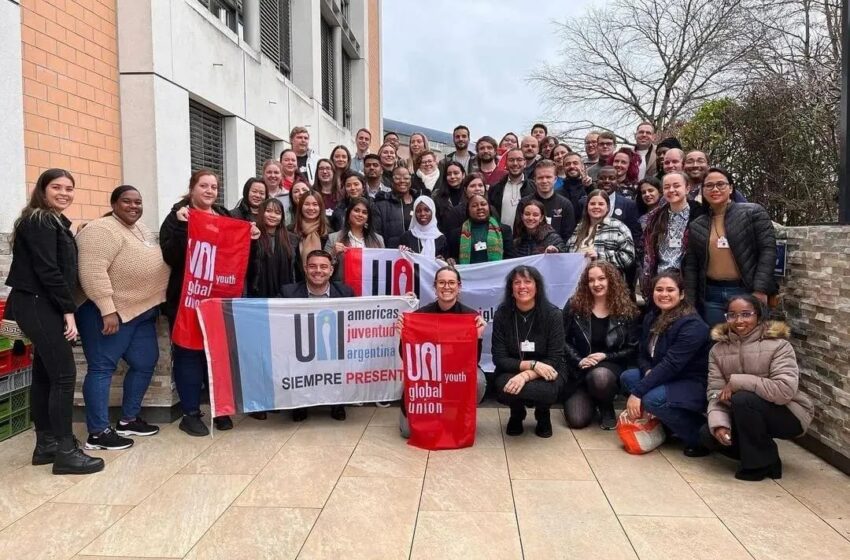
53, 368
755, 423
536, 393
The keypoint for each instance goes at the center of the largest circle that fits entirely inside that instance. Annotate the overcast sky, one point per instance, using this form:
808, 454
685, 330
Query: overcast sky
447, 62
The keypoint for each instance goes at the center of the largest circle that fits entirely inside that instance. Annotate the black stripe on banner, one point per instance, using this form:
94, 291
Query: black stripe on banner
233, 351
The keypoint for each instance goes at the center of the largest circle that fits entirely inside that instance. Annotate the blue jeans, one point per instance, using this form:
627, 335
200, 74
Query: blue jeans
684, 423
716, 298
189, 368
135, 342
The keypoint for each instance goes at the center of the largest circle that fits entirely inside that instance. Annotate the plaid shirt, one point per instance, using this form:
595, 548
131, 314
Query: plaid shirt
612, 243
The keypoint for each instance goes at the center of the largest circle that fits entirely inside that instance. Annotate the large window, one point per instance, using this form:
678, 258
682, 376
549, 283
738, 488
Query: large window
228, 11
346, 90
206, 141
263, 151
328, 52
276, 33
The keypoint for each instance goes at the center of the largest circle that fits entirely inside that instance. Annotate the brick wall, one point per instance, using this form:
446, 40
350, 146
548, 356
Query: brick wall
71, 107
816, 302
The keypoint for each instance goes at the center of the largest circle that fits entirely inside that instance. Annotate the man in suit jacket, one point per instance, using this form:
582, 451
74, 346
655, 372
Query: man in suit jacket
319, 269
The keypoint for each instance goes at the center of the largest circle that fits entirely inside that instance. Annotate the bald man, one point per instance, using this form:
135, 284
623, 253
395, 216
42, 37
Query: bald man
674, 159
530, 147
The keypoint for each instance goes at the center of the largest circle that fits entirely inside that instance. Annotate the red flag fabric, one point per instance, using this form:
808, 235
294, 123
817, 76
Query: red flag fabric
440, 357
216, 262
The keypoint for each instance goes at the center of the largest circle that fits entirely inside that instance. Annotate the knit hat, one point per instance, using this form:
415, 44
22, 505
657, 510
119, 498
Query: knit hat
670, 143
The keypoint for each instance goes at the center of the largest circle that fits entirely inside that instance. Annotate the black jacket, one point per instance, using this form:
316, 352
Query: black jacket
508, 250
44, 260
494, 195
268, 272
173, 238
559, 212
753, 244
471, 166
621, 344
575, 191
242, 212
526, 246
546, 333
299, 290
414, 244
390, 221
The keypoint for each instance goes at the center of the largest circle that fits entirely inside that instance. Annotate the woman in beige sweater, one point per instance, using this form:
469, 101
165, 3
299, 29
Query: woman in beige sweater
123, 277
753, 390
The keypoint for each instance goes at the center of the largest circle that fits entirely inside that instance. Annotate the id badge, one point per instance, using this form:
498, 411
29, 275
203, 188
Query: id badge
549, 220
676, 243
329, 212
722, 243
480, 246
526, 346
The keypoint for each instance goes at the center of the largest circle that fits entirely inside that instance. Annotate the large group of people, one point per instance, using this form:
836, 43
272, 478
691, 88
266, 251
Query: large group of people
673, 252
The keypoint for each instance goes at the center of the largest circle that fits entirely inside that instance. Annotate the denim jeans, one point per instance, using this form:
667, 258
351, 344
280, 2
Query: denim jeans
189, 368
684, 423
135, 342
716, 298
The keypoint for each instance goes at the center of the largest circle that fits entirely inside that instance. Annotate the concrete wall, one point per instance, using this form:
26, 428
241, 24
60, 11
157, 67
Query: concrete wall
816, 302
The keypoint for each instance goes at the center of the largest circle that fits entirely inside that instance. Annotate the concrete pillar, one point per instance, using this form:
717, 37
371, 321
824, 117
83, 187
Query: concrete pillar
239, 162
251, 21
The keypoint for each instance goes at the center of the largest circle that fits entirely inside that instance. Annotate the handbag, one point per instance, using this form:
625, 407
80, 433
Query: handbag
641, 435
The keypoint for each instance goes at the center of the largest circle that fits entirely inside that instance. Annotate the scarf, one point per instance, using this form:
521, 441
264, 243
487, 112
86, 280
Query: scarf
429, 180
494, 241
310, 240
429, 232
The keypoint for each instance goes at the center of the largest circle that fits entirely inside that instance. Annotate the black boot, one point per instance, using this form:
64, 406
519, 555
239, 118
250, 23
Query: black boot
45, 448
514, 427
544, 422
70, 459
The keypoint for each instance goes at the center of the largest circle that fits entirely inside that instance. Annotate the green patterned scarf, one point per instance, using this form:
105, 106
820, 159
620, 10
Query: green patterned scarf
494, 241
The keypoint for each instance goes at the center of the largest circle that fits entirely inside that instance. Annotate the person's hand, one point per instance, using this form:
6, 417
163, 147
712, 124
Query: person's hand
551, 249
451, 261
726, 394
111, 324
633, 406
515, 384
480, 324
404, 248
545, 371
591, 254
723, 435
586, 180
255, 232
761, 296
339, 247
399, 324
70, 327
183, 214
591, 360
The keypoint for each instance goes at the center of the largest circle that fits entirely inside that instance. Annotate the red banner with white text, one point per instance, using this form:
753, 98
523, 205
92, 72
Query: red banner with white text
216, 262
440, 356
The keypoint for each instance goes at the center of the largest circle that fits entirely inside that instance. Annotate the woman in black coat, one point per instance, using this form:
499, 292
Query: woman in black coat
254, 192
533, 236
601, 329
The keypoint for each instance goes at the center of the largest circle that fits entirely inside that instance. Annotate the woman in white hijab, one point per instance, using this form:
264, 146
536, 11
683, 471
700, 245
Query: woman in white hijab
423, 236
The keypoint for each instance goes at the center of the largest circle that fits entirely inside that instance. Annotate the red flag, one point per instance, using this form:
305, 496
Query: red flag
440, 356
216, 262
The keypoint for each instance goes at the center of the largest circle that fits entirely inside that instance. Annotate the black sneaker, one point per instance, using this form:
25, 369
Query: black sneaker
607, 417
223, 423
108, 439
193, 425
544, 422
137, 427
338, 412
299, 414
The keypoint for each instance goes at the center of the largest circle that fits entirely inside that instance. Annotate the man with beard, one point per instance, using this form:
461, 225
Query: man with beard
487, 162
299, 138
558, 210
505, 195
606, 145
644, 147
574, 187
696, 167
462, 155
374, 175
531, 152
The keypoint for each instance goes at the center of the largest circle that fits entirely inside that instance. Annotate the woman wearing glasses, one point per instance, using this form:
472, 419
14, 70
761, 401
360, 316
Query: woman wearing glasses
753, 390
731, 250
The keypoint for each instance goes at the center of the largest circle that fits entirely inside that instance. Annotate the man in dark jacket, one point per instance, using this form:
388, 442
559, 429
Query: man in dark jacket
461, 155
505, 195
394, 210
559, 210
318, 284
573, 186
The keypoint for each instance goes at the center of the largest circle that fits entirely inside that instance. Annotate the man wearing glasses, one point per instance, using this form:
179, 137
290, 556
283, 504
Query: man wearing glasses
606, 144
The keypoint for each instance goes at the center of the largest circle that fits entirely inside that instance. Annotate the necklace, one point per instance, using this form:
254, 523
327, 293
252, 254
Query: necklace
134, 229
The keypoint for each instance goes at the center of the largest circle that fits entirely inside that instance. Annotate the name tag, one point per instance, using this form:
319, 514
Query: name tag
480, 246
722, 243
526, 346
676, 243
329, 212
548, 220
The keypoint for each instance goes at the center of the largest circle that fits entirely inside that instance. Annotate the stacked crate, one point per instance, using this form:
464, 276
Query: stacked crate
15, 379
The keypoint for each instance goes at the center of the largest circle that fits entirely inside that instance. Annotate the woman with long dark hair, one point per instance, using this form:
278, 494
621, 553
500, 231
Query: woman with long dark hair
43, 278
528, 351
272, 262
254, 192
356, 230
532, 235
649, 197
327, 186
601, 328
449, 192
600, 237
670, 380
311, 228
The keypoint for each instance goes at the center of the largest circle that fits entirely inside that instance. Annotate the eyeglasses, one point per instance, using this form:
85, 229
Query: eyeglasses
447, 284
604, 143
742, 315
721, 186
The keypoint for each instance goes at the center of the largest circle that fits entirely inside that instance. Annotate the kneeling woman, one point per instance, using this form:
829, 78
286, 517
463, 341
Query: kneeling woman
753, 390
673, 360
600, 323
528, 350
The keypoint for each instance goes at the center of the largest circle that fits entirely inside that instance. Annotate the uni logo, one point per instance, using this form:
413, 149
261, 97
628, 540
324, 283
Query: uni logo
424, 361
325, 340
202, 260
399, 277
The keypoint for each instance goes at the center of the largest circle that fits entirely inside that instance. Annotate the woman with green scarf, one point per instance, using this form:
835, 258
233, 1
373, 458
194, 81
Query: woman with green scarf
481, 238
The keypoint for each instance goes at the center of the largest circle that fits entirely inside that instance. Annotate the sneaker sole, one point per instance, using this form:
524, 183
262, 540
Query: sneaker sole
126, 433
94, 446
91, 470
193, 434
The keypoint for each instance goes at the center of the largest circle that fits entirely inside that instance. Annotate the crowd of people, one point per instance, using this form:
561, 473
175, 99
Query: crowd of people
671, 308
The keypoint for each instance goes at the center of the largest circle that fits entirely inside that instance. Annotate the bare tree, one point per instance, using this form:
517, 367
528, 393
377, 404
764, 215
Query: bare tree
652, 60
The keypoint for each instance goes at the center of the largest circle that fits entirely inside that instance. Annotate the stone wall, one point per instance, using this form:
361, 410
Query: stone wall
816, 304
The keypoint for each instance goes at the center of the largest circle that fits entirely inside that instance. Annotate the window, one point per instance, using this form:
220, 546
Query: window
346, 90
275, 33
263, 151
206, 142
227, 11
327, 47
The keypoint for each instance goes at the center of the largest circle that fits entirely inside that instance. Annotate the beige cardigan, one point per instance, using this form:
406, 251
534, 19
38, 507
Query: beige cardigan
121, 268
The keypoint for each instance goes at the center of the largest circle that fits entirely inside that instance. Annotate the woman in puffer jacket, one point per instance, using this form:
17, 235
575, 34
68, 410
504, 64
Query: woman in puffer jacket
753, 390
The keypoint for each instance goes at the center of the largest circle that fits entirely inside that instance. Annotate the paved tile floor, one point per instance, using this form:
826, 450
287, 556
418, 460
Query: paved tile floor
352, 490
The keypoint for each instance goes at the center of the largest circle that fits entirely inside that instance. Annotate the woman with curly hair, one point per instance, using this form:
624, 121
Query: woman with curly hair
600, 326
670, 380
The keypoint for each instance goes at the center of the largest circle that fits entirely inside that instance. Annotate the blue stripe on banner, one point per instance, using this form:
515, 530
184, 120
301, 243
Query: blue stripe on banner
251, 323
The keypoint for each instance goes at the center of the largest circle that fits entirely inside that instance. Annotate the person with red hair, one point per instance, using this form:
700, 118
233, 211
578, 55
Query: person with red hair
626, 163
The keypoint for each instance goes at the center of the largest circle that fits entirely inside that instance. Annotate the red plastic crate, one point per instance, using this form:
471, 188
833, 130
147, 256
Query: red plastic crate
6, 361
21, 355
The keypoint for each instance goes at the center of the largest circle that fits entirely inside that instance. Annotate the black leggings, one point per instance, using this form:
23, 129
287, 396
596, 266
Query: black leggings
599, 388
538, 393
53, 369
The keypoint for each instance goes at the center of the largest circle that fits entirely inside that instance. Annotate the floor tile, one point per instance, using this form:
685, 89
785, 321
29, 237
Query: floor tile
322, 430
644, 485
840, 525
488, 431
256, 534
466, 535
172, 519
471, 479
688, 538
24, 489
298, 477
71, 527
383, 452
366, 518
387, 417
568, 519
593, 437
713, 468
821, 487
16, 452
